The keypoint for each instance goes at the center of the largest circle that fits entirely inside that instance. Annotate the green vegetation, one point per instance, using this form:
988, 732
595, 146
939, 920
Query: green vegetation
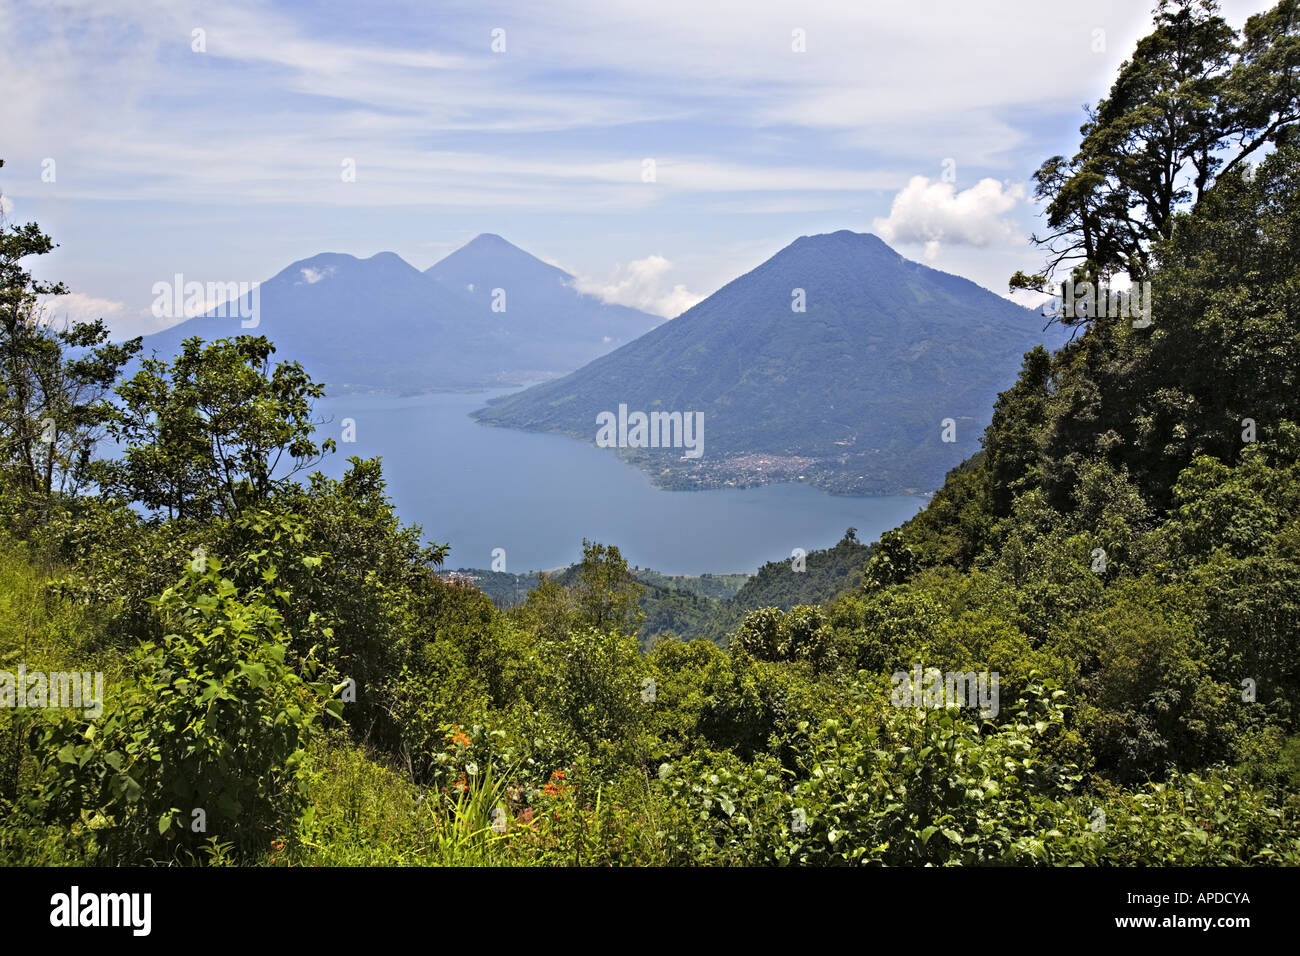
819, 577
708, 606
719, 587
508, 590
288, 680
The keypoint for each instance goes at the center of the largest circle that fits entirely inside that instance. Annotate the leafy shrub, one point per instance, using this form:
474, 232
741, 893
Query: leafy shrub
884, 785
207, 742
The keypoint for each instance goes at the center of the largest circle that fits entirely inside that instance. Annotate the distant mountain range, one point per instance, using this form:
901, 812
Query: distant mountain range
836, 362
851, 394
488, 315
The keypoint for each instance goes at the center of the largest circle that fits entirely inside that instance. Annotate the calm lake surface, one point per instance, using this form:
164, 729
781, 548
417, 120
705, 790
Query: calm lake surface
479, 488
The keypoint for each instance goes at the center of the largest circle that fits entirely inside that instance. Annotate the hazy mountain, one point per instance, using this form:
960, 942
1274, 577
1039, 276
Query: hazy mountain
539, 314
379, 323
849, 394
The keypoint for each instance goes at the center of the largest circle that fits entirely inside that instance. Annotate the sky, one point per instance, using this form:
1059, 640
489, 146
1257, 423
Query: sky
655, 150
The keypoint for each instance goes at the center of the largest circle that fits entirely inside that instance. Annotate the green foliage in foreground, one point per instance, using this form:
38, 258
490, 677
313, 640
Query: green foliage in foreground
585, 751
211, 736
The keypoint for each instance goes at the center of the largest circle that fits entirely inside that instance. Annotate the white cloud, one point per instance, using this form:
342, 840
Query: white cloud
6, 205
101, 67
934, 213
312, 276
289, 167
79, 307
738, 122
123, 322
642, 284
956, 86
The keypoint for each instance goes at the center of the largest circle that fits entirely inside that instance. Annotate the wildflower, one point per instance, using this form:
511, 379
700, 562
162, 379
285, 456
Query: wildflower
471, 769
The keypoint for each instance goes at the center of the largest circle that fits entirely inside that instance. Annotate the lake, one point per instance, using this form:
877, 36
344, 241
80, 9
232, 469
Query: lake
537, 496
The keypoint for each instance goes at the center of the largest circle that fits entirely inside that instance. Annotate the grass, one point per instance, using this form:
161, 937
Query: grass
363, 813
43, 632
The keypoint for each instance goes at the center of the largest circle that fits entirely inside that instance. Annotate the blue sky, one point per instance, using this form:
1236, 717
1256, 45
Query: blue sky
226, 163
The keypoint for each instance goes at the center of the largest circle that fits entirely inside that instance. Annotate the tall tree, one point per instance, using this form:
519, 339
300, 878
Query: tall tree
607, 594
54, 378
213, 431
1194, 102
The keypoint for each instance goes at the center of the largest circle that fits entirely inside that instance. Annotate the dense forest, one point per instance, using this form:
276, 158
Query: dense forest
288, 681
706, 606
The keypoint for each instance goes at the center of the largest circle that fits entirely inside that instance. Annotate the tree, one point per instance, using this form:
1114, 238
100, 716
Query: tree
1190, 105
547, 611
802, 634
891, 562
213, 432
606, 594
54, 379
1011, 442
592, 680
368, 604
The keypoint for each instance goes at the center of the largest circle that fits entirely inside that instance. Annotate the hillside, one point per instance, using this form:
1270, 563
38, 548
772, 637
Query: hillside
507, 589
850, 394
704, 606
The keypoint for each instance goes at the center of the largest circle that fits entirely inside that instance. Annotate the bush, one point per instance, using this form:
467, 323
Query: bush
206, 743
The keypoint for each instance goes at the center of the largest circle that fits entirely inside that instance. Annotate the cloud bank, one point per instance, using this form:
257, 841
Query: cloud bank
933, 212
642, 284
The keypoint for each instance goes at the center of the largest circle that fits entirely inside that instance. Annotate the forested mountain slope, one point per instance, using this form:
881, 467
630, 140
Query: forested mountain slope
837, 361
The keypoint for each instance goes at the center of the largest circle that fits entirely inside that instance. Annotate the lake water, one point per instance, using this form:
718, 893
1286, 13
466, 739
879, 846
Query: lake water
537, 496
